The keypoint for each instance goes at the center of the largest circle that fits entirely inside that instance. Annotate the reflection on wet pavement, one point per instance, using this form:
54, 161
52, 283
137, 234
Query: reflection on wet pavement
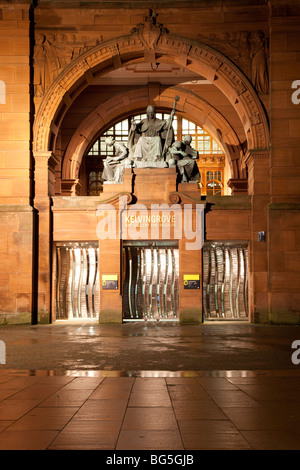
152, 346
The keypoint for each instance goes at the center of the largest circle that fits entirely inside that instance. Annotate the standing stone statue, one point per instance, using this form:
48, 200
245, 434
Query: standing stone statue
114, 166
147, 138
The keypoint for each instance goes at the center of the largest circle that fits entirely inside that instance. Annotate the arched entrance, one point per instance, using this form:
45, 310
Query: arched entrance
112, 55
195, 56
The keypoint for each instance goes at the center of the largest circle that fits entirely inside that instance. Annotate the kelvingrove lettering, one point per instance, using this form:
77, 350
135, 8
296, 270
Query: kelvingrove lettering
153, 218
161, 222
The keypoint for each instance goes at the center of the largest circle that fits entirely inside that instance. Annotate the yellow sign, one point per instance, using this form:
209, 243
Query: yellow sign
110, 277
110, 281
191, 281
191, 277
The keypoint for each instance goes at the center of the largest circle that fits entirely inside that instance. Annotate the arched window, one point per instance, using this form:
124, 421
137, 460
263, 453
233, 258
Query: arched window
95, 183
211, 156
213, 187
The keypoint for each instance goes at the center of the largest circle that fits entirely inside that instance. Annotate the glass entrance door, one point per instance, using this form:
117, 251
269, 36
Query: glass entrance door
150, 281
225, 281
77, 281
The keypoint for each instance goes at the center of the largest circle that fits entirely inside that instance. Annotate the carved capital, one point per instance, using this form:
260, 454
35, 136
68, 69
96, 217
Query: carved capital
44, 174
45, 161
257, 162
261, 155
70, 187
238, 185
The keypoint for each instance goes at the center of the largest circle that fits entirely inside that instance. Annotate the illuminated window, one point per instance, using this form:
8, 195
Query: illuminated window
95, 184
202, 141
120, 132
213, 188
212, 183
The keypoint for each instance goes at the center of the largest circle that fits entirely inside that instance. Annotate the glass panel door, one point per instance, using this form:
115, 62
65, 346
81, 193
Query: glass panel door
151, 282
77, 281
225, 281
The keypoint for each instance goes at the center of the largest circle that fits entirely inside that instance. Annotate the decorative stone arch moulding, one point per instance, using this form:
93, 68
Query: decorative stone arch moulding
189, 105
122, 51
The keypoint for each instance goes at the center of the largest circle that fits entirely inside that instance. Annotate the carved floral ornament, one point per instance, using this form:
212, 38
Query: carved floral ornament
149, 38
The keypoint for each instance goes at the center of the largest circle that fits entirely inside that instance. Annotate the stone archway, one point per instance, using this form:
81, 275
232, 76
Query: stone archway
189, 105
113, 54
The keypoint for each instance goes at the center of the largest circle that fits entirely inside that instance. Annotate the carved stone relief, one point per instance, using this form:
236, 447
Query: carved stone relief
259, 67
72, 56
149, 34
249, 51
52, 53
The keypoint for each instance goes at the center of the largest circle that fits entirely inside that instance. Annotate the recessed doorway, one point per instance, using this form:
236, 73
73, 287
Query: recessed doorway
76, 280
225, 281
151, 281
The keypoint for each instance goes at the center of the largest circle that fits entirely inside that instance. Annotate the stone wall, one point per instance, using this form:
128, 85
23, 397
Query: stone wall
16, 212
283, 215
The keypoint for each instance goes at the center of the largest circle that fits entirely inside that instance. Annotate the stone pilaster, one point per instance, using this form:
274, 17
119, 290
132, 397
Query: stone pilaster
284, 24
45, 163
258, 163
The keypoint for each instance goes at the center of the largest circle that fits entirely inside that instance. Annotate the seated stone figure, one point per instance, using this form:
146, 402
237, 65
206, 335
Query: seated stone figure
147, 138
114, 166
183, 155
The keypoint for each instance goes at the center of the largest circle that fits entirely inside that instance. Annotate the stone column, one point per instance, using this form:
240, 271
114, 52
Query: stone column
44, 173
110, 265
190, 301
258, 163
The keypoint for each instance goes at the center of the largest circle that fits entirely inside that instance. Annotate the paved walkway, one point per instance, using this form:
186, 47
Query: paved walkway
155, 404
237, 411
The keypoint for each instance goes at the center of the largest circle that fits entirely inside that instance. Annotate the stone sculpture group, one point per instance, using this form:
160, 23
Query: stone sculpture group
151, 145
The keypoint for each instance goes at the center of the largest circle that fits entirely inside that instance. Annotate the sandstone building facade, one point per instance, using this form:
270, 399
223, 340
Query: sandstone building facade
73, 73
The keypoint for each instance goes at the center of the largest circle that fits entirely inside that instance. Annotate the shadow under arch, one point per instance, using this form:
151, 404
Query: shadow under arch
125, 50
190, 106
